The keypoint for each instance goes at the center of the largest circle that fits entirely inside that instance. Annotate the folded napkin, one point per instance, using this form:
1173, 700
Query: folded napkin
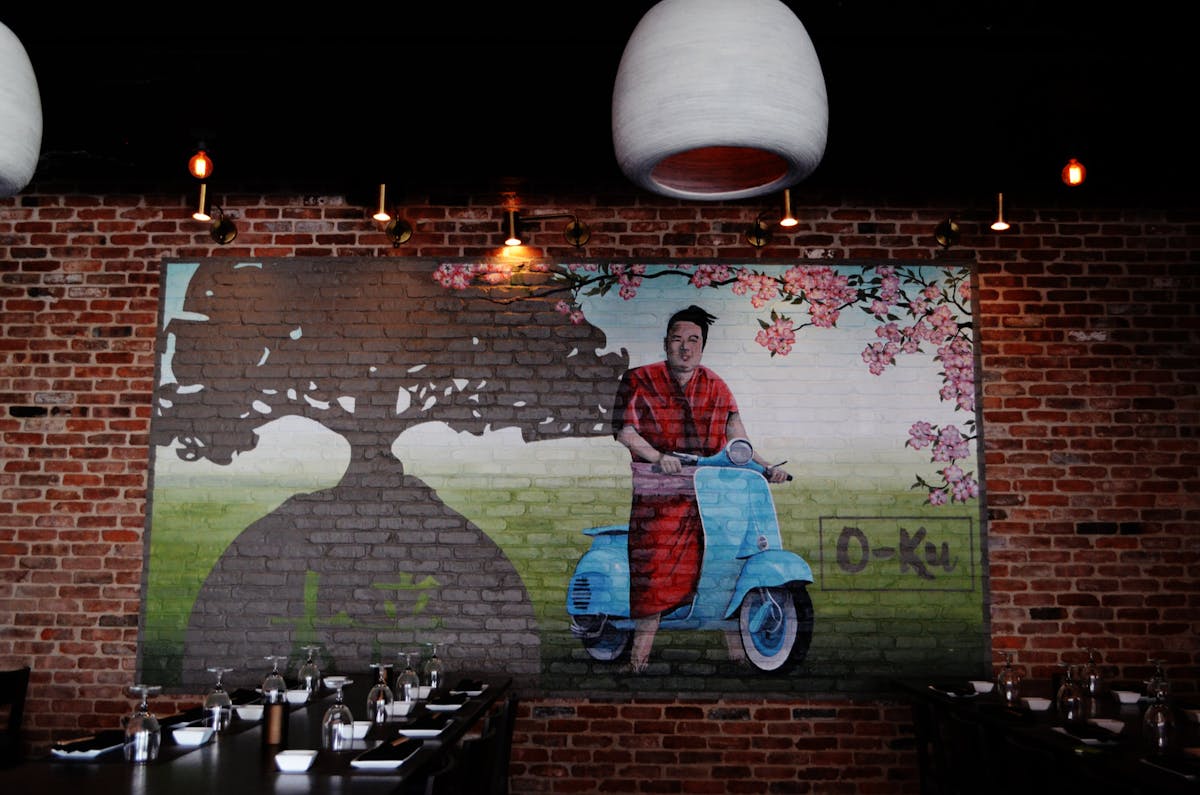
428, 723
1178, 765
391, 750
89, 747
1088, 734
468, 686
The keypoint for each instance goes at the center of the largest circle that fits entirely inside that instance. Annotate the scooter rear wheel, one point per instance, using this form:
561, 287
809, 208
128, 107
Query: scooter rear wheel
776, 626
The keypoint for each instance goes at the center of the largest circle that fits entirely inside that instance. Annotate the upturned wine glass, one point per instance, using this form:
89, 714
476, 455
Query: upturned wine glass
274, 687
143, 735
1069, 698
337, 726
1009, 681
1158, 724
310, 673
435, 670
218, 706
407, 682
380, 697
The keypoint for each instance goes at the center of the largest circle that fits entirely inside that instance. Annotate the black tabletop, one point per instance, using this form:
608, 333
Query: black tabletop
236, 762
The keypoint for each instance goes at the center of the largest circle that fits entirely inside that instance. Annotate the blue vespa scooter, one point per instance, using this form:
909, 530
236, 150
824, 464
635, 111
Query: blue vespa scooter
748, 581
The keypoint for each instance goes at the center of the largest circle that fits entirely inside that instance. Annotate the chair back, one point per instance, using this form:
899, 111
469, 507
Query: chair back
13, 687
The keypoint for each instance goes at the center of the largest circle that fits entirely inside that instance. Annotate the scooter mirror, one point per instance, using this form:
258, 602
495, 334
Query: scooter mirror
739, 451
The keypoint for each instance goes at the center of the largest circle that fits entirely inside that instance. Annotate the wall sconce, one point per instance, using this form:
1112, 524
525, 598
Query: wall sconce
1073, 173
999, 225
398, 231
381, 214
759, 233
223, 230
201, 213
575, 232
947, 233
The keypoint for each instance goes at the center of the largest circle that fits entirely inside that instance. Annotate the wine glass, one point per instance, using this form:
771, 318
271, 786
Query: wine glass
380, 697
274, 687
1093, 677
1069, 698
218, 706
310, 673
337, 727
407, 682
1158, 724
435, 671
142, 732
1009, 681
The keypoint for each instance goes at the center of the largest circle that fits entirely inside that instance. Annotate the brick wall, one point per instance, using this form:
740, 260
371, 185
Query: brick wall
1090, 354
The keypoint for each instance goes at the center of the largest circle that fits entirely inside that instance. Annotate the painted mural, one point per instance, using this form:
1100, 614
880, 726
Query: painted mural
530, 468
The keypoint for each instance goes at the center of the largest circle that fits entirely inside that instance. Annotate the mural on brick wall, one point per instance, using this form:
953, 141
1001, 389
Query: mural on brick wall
367, 458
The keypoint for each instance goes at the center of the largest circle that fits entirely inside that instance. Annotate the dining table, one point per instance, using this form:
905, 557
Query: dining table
1100, 748
237, 761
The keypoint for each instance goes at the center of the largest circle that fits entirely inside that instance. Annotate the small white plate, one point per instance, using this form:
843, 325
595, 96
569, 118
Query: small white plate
192, 736
356, 730
249, 711
294, 761
433, 706
374, 759
422, 732
297, 696
87, 753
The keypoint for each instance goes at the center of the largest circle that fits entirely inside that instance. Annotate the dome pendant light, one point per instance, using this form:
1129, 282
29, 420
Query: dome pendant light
20, 116
715, 100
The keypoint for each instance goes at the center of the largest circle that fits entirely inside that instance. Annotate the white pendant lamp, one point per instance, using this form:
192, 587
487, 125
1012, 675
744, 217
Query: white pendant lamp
20, 116
719, 100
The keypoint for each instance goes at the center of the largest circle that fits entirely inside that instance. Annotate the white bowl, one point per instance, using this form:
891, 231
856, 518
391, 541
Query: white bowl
297, 696
356, 730
192, 735
401, 708
332, 682
294, 761
249, 711
1036, 704
423, 692
1127, 696
982, 685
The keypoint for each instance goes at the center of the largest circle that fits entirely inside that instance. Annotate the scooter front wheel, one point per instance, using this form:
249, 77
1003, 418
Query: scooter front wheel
601, 640
776, 626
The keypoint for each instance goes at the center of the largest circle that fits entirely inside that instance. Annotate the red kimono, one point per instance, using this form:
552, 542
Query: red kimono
666, 541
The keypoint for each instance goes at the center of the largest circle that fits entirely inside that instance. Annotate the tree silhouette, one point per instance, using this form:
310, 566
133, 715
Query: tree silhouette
369, 348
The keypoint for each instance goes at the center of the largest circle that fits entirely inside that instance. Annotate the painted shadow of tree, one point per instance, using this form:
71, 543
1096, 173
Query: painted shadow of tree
369, 348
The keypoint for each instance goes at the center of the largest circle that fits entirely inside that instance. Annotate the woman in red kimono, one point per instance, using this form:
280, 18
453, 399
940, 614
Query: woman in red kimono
673, 406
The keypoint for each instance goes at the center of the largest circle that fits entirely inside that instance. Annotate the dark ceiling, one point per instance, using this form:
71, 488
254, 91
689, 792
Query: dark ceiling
929, 97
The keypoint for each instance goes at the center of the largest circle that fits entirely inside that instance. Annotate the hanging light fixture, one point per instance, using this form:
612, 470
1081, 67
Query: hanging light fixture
1073, 173
20, 116
999, 225
200, 164
716, 100
381, 214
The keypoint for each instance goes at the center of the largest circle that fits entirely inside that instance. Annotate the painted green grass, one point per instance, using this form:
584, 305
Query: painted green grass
886, 624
